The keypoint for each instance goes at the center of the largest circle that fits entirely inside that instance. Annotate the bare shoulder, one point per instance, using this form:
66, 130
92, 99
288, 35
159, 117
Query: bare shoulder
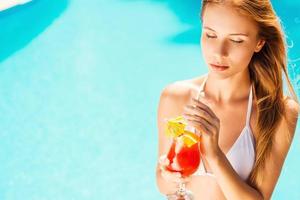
176, 89
291, 106
171, 98
292, 110
287, 126
181, 89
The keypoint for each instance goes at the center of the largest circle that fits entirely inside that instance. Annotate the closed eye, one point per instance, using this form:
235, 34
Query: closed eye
210, 36
235, 41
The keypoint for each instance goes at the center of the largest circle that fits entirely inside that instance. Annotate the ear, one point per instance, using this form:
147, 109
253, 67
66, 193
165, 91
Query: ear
259, 45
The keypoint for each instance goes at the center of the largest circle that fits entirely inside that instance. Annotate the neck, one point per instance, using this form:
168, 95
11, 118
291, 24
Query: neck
228, 90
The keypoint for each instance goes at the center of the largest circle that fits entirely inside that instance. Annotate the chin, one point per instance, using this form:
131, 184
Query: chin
219, 76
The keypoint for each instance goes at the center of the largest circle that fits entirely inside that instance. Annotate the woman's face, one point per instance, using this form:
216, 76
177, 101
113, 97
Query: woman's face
228, 39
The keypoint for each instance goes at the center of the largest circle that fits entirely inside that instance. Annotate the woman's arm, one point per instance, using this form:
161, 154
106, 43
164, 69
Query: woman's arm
232, 185
167, 108
280, 149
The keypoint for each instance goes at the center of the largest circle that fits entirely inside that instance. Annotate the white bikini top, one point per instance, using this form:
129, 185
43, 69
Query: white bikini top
242, 153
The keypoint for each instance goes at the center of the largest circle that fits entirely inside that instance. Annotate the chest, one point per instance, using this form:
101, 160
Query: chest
232, 122
232, 119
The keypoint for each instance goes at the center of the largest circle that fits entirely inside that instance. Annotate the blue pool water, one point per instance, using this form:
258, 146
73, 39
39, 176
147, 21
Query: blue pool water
79, 88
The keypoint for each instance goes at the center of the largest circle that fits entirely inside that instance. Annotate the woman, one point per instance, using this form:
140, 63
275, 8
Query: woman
246, 121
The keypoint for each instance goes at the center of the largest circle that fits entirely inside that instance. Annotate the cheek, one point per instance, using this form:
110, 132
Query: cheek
240, 56
207, 49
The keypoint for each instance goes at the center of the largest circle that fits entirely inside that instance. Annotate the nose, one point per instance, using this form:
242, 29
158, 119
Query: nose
220, 51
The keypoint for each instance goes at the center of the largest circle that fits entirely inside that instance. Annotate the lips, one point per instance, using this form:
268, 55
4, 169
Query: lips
219, 67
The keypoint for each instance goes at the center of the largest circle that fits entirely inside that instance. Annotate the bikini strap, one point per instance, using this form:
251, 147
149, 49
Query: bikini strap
249, 108
202, 86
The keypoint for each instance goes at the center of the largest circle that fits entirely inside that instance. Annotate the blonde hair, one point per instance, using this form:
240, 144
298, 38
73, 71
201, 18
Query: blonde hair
265, 68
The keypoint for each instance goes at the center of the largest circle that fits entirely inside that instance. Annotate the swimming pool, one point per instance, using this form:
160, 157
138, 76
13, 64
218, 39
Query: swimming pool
79, 87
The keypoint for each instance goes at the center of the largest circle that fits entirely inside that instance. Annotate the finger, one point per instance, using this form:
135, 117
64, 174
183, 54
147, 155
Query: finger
162, 157
163, 160
200, 114
198, 125
193, 109
208, 124
161, 165
165, 175
171, 176
185, 179
176, 174
182, 179
175, 177
208, 114
170, 173
204, 106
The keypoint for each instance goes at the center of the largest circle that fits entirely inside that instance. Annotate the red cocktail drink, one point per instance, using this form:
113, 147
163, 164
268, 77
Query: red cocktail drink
183, 158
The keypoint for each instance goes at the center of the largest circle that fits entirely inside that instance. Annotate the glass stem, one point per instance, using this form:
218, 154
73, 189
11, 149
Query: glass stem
181, 191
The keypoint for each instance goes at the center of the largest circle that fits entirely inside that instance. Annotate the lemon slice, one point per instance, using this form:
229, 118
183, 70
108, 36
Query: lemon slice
189, 138
175, 126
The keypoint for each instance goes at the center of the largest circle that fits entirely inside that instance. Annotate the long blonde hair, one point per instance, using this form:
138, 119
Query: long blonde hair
265, 70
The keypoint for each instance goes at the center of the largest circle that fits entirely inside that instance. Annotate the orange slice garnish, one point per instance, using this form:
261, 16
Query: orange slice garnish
175, 128
189, 138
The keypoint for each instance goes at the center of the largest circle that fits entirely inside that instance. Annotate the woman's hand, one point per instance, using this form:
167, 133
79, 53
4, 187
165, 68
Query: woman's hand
174, 177
200, 116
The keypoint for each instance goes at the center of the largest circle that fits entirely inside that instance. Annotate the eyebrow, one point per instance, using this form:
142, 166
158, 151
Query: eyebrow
206, 27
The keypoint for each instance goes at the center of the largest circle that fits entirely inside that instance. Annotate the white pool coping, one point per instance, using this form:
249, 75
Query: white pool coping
6, 4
